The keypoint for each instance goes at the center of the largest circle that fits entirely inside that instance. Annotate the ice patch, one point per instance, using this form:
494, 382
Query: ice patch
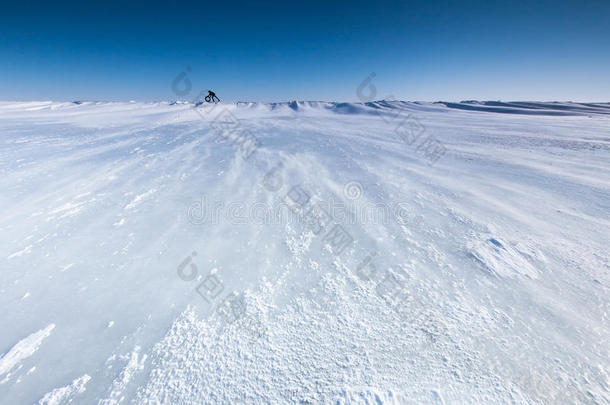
23, 349
502, 259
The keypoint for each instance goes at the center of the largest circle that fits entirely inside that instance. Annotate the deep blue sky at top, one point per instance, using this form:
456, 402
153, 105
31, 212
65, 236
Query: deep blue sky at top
319, 50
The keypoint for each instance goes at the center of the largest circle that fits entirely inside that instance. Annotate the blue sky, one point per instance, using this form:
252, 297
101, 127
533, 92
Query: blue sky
319, 50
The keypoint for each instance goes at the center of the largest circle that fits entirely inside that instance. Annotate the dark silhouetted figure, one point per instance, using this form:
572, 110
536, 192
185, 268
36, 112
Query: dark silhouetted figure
211, 96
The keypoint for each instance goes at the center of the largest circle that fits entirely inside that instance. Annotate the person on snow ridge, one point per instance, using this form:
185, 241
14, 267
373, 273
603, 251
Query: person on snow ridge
211, 96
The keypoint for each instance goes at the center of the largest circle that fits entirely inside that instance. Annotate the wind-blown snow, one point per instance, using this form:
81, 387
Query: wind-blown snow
119, 220
65, 394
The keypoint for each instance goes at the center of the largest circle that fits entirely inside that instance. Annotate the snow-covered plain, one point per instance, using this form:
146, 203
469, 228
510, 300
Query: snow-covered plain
448, 253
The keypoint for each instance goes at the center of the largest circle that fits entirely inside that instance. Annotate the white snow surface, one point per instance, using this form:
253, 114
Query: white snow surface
124, 226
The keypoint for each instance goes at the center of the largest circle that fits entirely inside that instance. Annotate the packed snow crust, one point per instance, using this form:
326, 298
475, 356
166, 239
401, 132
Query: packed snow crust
154, 253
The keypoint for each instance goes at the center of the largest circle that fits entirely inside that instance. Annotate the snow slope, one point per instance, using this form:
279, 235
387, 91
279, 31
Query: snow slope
304, 252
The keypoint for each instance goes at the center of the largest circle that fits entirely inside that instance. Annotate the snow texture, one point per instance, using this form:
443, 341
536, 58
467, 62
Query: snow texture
304, 252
